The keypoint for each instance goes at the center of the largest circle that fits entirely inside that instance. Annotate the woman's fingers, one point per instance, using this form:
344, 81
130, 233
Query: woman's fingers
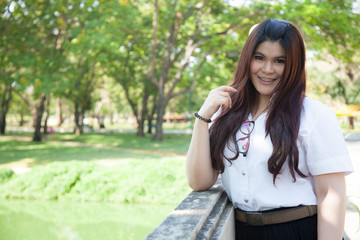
226, 99
225, 92
216, 98
226, 89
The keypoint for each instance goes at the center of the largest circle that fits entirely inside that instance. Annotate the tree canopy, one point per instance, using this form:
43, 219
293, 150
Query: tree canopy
158, 53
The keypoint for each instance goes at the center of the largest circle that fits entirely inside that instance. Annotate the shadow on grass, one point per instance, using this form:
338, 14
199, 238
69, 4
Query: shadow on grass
34, 154
172, 143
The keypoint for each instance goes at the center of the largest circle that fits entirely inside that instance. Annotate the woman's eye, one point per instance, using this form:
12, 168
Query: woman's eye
281, 61
260, 58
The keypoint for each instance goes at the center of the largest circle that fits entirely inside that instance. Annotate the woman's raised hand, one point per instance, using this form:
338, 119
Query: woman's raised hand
217, 97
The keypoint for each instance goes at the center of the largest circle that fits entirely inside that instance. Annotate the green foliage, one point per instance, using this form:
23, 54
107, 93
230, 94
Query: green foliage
64, 168
325, 24
152, 181
5, 174
71, 48
50, 182
340, 81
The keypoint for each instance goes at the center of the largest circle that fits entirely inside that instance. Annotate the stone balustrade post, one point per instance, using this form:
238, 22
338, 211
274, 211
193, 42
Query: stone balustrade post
201, 215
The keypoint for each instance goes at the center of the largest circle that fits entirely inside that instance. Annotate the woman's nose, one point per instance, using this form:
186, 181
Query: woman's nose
268, 67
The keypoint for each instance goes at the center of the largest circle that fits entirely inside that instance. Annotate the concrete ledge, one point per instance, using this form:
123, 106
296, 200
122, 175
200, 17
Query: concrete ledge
201, 215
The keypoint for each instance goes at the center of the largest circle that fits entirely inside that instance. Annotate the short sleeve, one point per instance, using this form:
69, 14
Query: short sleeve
326, 150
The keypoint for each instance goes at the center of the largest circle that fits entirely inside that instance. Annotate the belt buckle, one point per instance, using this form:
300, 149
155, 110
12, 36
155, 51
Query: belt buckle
254, 219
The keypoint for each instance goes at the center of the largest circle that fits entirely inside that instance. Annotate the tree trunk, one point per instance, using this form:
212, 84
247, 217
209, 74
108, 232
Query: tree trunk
79, 120
151, 116
2, 123
143, 113
59, 113
149, 119
5, 102
47, 113
140, 129
141, 125
161, 105
34, 116
351, 122
39, 112
21, 123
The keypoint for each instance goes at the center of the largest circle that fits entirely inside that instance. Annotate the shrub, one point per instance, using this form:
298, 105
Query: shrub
5, 174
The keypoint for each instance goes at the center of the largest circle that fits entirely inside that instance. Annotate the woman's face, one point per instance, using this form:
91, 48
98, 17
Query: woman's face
266, 67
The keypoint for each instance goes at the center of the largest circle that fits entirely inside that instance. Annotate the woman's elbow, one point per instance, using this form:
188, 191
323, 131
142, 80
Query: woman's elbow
199, 186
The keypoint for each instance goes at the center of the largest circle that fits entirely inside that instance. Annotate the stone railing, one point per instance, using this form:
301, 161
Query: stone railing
201, 215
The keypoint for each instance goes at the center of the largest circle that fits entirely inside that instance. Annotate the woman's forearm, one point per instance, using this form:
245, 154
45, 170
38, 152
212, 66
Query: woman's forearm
199, 171
331, 195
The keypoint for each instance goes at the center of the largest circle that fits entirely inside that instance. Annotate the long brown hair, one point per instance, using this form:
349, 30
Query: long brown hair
284, 110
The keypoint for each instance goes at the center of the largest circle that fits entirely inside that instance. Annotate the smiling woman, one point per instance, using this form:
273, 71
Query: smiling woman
266, 69
279, 152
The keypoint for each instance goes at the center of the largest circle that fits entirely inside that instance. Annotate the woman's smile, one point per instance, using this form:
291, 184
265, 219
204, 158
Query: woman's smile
266, 67
267, 80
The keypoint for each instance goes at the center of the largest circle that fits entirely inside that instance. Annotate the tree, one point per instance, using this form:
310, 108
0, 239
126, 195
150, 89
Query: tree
10, 54
340, 81
331, 29
177, 33
156, 51
136, 87
93, 38
123, 54
42, 30
5, 103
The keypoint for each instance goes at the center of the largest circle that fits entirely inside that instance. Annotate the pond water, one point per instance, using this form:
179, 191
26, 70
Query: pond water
48, 220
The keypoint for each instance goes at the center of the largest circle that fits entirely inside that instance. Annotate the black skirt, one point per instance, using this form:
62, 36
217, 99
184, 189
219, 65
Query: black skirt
302, 229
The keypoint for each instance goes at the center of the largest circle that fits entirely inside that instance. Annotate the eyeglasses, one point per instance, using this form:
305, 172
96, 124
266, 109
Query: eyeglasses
243, 143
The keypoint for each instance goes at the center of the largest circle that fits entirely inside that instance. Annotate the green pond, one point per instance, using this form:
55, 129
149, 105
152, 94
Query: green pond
48, 220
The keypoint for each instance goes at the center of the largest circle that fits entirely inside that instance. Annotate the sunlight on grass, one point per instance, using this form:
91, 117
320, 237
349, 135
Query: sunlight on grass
25, 162
47, 152
174, 143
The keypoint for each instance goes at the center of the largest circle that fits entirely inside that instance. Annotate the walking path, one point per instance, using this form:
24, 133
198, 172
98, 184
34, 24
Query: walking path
352, 221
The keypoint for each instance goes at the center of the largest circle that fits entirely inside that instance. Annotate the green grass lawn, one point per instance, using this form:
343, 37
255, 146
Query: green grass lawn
93, 147
136, 170
173, 143
34, 154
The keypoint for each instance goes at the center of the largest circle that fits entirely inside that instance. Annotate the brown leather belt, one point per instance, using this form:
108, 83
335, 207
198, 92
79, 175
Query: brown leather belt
275, 217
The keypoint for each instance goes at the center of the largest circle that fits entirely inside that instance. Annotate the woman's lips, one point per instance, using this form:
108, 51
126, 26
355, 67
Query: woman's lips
266, 79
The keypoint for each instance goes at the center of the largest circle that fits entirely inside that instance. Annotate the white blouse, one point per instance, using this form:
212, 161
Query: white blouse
322, 150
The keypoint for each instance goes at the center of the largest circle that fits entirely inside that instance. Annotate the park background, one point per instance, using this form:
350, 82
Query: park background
97, 100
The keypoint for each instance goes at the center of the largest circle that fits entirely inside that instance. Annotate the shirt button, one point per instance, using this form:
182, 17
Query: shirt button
246, 200
243, 173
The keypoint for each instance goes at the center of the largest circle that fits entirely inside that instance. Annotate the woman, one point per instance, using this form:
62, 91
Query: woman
282, 156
